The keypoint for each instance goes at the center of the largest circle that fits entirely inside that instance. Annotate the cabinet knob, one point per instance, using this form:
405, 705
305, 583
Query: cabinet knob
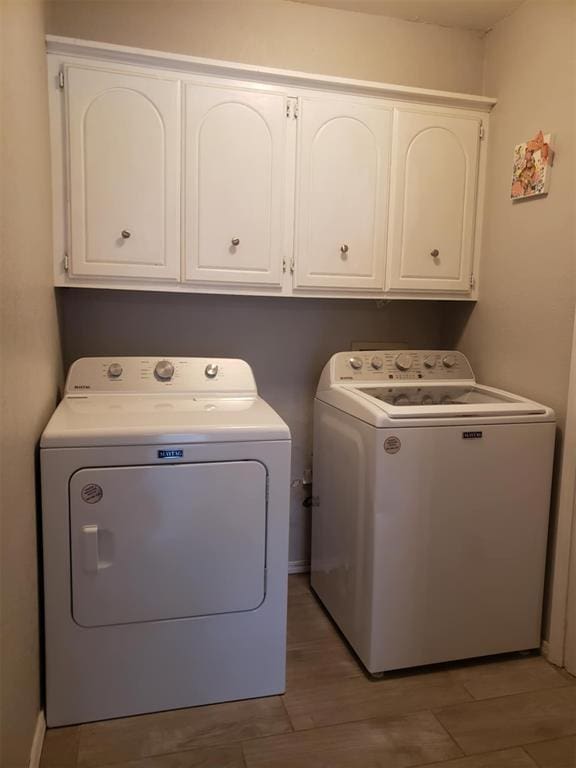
344, 249
235, 241
435, 253
125, 234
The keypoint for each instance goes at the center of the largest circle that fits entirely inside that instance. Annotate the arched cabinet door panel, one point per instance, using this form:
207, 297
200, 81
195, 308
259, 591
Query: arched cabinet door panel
235, 185
124, 174
433, 207
342, 194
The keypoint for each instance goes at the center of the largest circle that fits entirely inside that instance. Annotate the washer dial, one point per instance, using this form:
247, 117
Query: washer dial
429, 361
164, 370
376, 363
355, 363
448, 361
403, 362
114, 371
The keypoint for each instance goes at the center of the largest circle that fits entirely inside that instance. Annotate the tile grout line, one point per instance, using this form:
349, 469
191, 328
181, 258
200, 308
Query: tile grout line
450, 736
502, 696
529, 756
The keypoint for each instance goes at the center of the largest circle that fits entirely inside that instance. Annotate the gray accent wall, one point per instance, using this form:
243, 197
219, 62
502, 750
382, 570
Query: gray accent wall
287, 341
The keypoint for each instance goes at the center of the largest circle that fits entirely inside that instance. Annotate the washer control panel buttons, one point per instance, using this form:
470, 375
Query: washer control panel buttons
115, 370
377, 365
164, 370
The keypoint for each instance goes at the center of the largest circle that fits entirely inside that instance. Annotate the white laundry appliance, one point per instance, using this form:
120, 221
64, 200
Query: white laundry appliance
165, 494
431, 508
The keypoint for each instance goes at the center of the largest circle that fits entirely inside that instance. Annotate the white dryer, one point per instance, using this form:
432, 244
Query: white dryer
165, 495
432, 500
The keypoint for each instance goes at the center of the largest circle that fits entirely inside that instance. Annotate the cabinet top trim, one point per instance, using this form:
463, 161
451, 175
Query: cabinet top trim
193, 64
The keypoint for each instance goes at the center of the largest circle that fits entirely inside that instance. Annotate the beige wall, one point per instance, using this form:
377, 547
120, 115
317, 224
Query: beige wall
279, 33
519, 335
287, 340
29, 364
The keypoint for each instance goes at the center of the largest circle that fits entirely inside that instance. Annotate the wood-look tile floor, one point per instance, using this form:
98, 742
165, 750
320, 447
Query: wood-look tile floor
513, 712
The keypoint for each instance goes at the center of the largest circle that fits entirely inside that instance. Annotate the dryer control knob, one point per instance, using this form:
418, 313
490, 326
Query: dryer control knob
403, 362
376, 363
114, 370
164, 370
356, 363
429, 362
211, 371
448, 361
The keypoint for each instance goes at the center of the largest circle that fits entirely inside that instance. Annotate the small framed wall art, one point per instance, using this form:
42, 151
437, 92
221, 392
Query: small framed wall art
532, 165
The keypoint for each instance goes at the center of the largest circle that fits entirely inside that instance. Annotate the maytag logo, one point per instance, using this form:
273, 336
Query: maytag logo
82, 386
172, 453
472, 435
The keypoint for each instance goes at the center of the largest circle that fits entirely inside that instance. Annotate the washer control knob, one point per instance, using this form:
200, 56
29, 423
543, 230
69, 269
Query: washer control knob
114, 370
164, 370
211, 371
429, 362
403, 362
448, 361
356, 363
376, 363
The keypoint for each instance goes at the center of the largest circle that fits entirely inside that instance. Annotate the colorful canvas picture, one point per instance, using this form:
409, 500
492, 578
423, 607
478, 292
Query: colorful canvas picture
532, 163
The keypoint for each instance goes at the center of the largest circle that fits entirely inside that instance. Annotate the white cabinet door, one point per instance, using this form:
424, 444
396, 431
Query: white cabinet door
434, 185
342, 195
124, 174
235, 185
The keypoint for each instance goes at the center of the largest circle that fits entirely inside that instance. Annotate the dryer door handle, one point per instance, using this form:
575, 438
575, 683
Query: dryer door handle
91, 558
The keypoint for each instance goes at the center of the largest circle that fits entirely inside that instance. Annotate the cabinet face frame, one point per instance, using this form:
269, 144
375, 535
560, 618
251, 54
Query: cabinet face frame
64, 51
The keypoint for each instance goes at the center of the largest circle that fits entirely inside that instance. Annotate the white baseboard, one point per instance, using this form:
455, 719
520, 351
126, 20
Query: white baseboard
298, 566
38, 741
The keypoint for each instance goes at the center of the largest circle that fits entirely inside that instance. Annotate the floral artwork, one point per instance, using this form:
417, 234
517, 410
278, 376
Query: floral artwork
531, 173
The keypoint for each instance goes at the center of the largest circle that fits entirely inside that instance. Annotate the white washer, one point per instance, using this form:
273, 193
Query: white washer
432, 500
165, 487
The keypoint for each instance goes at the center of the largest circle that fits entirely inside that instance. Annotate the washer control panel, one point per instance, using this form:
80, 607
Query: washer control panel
101, 375
401, 365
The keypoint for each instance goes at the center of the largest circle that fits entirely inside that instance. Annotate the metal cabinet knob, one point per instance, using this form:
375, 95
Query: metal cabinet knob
126, 234
344, 248
235, 241
435, 253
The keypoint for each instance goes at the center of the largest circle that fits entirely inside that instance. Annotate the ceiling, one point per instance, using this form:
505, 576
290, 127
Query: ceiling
468, 14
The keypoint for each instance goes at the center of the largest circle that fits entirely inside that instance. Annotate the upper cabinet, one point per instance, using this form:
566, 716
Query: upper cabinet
433, 210
173, 173
124, 174
234, 185
342, 194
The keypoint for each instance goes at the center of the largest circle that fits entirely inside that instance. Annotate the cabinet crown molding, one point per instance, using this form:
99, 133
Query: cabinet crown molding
226, 69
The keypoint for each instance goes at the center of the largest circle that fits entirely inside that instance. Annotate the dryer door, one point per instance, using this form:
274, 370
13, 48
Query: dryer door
164, 542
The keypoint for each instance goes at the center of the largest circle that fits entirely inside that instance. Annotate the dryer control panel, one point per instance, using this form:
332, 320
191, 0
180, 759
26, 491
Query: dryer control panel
401, 365
155, 375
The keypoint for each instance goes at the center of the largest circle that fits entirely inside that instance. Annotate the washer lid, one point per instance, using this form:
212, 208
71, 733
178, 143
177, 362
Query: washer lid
441, 401
96, 420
